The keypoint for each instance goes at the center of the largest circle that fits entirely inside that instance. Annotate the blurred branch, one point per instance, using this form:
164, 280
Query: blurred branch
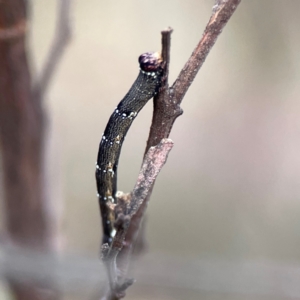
21, 133
82, 276
61, 38
22, 138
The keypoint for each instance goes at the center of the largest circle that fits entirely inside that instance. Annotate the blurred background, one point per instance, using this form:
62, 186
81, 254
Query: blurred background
230, 190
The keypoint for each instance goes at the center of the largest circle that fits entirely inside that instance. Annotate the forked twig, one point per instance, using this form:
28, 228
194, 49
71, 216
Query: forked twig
166, 110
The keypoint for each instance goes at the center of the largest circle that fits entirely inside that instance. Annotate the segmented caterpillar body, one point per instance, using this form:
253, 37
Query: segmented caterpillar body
143, 89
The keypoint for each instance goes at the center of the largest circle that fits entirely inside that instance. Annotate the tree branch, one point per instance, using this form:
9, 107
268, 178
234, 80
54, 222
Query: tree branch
22, 138
222, 11
166, 110
127, 207
166, 49
167, 102
61, 38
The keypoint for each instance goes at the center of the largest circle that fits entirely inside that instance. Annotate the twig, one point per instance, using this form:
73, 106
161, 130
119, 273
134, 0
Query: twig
134, 235
222, 11
167, 103
166, 50
167, 109
129, 205
61, 39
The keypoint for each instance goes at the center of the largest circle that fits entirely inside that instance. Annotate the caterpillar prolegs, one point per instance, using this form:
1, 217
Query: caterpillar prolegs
143, 89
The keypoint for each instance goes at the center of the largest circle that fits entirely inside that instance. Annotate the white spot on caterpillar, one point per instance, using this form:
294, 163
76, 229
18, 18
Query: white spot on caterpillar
104, 198
113, 233
117, 110
132, 114
97, 167
124, 115
107, 222
117, 142
111, 199
119, 194
110, 239
104, 171
104, 137
98, 195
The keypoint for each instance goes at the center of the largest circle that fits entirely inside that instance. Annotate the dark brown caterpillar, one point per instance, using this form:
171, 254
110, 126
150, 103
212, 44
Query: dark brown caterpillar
144, 88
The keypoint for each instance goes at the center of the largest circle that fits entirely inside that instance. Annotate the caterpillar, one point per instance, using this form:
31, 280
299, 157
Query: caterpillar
143, 89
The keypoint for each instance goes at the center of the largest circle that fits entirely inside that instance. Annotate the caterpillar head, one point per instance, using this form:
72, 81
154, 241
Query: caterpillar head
150, 62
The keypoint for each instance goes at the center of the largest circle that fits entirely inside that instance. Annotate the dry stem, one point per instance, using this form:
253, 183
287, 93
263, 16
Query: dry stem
166, 110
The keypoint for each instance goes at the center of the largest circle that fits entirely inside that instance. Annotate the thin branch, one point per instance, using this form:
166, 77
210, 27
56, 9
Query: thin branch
134, 235
166, 49
166, 110
61, 38
22, 128
129, 205
167, 103
222, 11
27, 221
152, 164
161, 99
